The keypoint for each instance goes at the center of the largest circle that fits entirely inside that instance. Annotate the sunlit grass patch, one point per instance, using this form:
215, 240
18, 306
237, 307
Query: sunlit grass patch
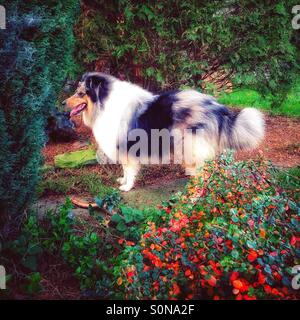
251, 98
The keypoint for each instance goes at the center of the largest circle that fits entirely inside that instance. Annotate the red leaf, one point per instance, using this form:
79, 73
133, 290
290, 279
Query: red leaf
234, 276
212, 281
261, 278
293, 240
237, 284
252, 256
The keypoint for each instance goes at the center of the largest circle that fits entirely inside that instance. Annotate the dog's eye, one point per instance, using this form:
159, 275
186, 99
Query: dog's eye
81, 94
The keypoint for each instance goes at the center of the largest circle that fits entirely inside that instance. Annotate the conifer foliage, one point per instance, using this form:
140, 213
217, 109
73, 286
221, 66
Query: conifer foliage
36, 52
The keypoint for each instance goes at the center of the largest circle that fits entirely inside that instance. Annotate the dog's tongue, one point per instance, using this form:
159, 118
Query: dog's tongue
77, 110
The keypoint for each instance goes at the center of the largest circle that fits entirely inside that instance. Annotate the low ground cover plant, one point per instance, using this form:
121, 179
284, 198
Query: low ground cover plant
232, 234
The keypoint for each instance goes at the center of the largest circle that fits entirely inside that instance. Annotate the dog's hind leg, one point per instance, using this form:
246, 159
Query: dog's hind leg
199, 151
123, 180
190, 170
130, 173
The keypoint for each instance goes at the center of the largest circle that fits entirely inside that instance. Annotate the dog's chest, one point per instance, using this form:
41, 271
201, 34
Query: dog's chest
106, 132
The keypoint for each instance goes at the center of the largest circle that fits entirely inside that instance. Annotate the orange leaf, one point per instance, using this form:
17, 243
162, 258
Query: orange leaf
262, 233
237, 284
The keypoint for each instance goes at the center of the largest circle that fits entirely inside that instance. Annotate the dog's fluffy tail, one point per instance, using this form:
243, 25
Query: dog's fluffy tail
247, 130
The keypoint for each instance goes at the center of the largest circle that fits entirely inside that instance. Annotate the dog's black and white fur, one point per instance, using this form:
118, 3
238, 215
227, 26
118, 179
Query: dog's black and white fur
112, 108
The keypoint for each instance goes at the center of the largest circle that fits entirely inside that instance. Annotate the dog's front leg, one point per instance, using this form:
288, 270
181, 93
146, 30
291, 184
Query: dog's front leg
102, 158
130, 173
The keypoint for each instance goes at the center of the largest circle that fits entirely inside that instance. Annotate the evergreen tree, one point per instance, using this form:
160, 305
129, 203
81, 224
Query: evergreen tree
36, 57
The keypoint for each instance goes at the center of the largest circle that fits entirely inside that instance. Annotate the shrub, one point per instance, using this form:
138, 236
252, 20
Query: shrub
168, 44
233, 234
36, 57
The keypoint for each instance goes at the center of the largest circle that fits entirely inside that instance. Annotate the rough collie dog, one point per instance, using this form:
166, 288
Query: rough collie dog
115, 109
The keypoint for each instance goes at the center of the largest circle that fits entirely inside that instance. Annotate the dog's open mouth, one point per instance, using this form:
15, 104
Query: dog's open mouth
78, 109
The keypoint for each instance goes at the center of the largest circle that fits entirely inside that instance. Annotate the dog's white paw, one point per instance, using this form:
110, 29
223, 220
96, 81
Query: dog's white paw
190, 171
126, 187
121, 180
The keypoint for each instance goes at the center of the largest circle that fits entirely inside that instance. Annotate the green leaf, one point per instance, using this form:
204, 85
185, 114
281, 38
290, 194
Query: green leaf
251, 244
235, 219
35, 249
116, 218
94, 237
99, 202
121, 226
66, 247
235, 254
30, 262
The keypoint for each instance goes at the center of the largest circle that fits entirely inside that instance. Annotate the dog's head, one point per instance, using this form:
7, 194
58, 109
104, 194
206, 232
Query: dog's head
91, 92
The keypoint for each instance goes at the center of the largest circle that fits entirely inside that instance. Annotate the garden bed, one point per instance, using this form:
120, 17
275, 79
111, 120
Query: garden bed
233, 233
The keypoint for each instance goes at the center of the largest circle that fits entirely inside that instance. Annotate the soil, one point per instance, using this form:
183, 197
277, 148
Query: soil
281, 144
54, 148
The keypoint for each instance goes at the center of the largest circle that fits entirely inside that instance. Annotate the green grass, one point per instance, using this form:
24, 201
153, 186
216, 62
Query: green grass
251, 98
66, 183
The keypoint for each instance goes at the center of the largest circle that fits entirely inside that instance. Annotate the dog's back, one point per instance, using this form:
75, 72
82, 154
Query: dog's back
217, 126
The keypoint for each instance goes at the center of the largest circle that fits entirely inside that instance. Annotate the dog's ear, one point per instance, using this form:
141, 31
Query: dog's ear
84, 76
92, 85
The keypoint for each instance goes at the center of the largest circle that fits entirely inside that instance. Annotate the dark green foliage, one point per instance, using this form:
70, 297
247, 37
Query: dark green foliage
129, 221
108, 200
78, 243
184, 43
36, 57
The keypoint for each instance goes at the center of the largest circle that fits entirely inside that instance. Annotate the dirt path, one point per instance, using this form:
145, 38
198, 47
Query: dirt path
281, 144
140, 198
